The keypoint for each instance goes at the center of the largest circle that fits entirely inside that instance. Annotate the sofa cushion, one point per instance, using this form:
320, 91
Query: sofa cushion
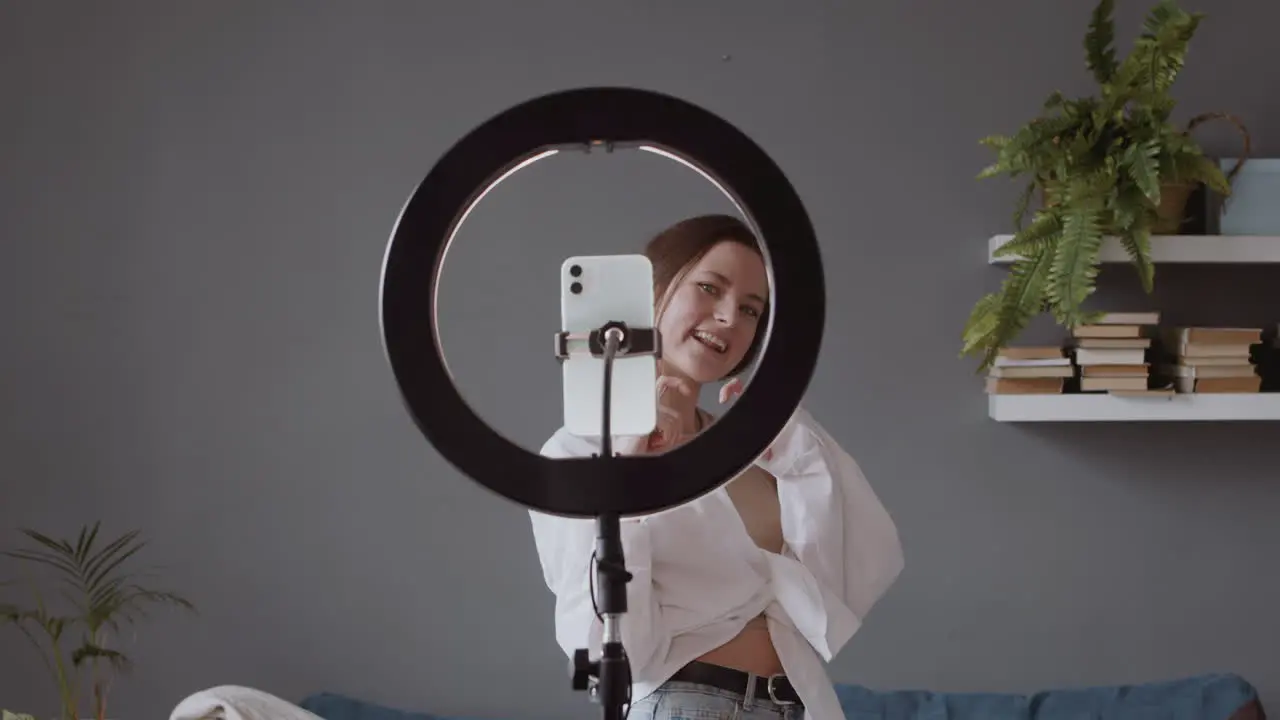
1202, 697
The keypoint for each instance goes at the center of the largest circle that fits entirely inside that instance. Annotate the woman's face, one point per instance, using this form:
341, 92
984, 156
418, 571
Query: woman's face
713, 312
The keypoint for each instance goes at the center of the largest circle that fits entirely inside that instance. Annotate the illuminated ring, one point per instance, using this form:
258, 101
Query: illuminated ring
581, 119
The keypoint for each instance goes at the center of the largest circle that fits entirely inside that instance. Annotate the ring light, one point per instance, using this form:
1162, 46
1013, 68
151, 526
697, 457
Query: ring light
585, 119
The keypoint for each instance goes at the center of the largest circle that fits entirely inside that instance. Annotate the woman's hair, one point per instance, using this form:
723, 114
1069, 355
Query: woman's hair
675, 250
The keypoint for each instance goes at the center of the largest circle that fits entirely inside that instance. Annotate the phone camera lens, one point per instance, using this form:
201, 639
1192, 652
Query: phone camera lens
575, 288
576, 270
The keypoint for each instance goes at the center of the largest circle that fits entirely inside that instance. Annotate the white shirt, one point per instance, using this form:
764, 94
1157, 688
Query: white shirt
698, 577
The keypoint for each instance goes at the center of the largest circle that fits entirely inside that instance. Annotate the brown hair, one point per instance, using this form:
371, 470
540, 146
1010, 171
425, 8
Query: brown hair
678, 248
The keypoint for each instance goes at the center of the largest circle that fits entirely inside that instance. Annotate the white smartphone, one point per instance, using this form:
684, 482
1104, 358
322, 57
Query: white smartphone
595, 290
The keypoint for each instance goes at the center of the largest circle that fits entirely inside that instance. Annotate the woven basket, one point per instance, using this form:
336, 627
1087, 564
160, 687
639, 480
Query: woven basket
1172, 211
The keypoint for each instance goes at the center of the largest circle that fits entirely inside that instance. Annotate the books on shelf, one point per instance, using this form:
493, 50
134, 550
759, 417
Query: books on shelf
1111, 354
1211, 359
1029, 370
1129, 353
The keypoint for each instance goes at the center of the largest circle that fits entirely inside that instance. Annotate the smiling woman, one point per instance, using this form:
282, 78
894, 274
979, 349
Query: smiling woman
739, 595
710, 277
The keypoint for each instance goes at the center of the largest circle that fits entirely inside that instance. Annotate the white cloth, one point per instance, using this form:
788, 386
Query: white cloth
698, 578
235, 702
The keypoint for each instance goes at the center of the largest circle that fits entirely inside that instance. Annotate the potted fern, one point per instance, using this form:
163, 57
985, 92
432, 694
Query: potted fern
1108, 164
76, 642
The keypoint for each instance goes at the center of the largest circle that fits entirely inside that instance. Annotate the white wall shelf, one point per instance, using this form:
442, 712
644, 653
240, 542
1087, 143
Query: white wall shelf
1101, 407
1179, 249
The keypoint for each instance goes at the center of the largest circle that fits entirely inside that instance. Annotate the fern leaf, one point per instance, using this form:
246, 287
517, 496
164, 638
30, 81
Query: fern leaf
1137, 242
980, 324
1195, 167
1075, 262
1128, 206
1143, 168
1160, 16
1045, 229
1022, 299
1159, 55
991, 171
997, 143
998, 317
1020, 207
1100, 55
1055, 100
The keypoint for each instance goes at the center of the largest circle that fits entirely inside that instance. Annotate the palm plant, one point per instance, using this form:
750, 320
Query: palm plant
102, 600
1101, 163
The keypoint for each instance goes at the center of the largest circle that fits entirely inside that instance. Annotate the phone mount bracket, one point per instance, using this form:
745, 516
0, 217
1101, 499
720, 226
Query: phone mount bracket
635, 341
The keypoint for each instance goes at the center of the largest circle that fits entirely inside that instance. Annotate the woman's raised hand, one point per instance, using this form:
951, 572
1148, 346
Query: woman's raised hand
731, 389
677, 408
677, 404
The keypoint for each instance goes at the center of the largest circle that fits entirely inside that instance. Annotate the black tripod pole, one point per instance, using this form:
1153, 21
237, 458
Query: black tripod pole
612, 672
612, 578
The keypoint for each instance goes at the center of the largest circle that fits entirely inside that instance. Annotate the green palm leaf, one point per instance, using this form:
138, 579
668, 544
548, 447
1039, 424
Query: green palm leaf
91, 574
90, 651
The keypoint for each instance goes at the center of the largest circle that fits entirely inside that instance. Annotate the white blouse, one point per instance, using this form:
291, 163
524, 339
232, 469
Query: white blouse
699, 578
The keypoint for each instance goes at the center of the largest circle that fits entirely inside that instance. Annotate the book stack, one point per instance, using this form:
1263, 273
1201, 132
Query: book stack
1112, 352
1211, 359
1029, 370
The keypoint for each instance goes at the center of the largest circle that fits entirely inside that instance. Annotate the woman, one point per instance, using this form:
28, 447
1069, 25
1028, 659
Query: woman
738, 596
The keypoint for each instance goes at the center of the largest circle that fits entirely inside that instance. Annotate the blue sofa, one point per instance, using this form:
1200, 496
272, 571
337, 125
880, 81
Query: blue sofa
1202, 697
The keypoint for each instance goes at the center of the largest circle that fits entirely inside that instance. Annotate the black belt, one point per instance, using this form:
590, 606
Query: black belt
776, 688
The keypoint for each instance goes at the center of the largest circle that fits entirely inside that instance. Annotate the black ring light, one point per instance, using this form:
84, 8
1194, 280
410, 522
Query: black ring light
590, 117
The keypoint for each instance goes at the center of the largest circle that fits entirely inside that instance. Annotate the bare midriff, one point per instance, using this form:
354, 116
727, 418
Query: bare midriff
751, 650
755, 495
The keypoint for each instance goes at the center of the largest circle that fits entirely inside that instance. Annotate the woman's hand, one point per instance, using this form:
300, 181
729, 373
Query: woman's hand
677, 408
732, 389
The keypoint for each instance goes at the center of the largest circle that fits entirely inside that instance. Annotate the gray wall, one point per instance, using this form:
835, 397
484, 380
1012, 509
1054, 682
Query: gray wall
195, 199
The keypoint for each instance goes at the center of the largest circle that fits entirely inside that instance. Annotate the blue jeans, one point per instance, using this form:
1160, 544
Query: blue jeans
691, 701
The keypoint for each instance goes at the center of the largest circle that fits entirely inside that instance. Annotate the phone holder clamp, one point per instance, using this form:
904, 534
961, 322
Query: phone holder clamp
635, 341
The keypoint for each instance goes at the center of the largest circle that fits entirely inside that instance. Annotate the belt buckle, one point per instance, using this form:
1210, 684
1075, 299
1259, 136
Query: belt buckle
773, 695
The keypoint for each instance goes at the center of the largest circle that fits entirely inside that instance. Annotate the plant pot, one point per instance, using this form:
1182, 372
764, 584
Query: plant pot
1170, 214
1172, 211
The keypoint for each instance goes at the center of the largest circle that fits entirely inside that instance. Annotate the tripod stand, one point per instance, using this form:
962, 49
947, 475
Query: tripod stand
608, 680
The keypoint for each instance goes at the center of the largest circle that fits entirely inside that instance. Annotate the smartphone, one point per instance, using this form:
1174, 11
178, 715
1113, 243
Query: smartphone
595, 290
